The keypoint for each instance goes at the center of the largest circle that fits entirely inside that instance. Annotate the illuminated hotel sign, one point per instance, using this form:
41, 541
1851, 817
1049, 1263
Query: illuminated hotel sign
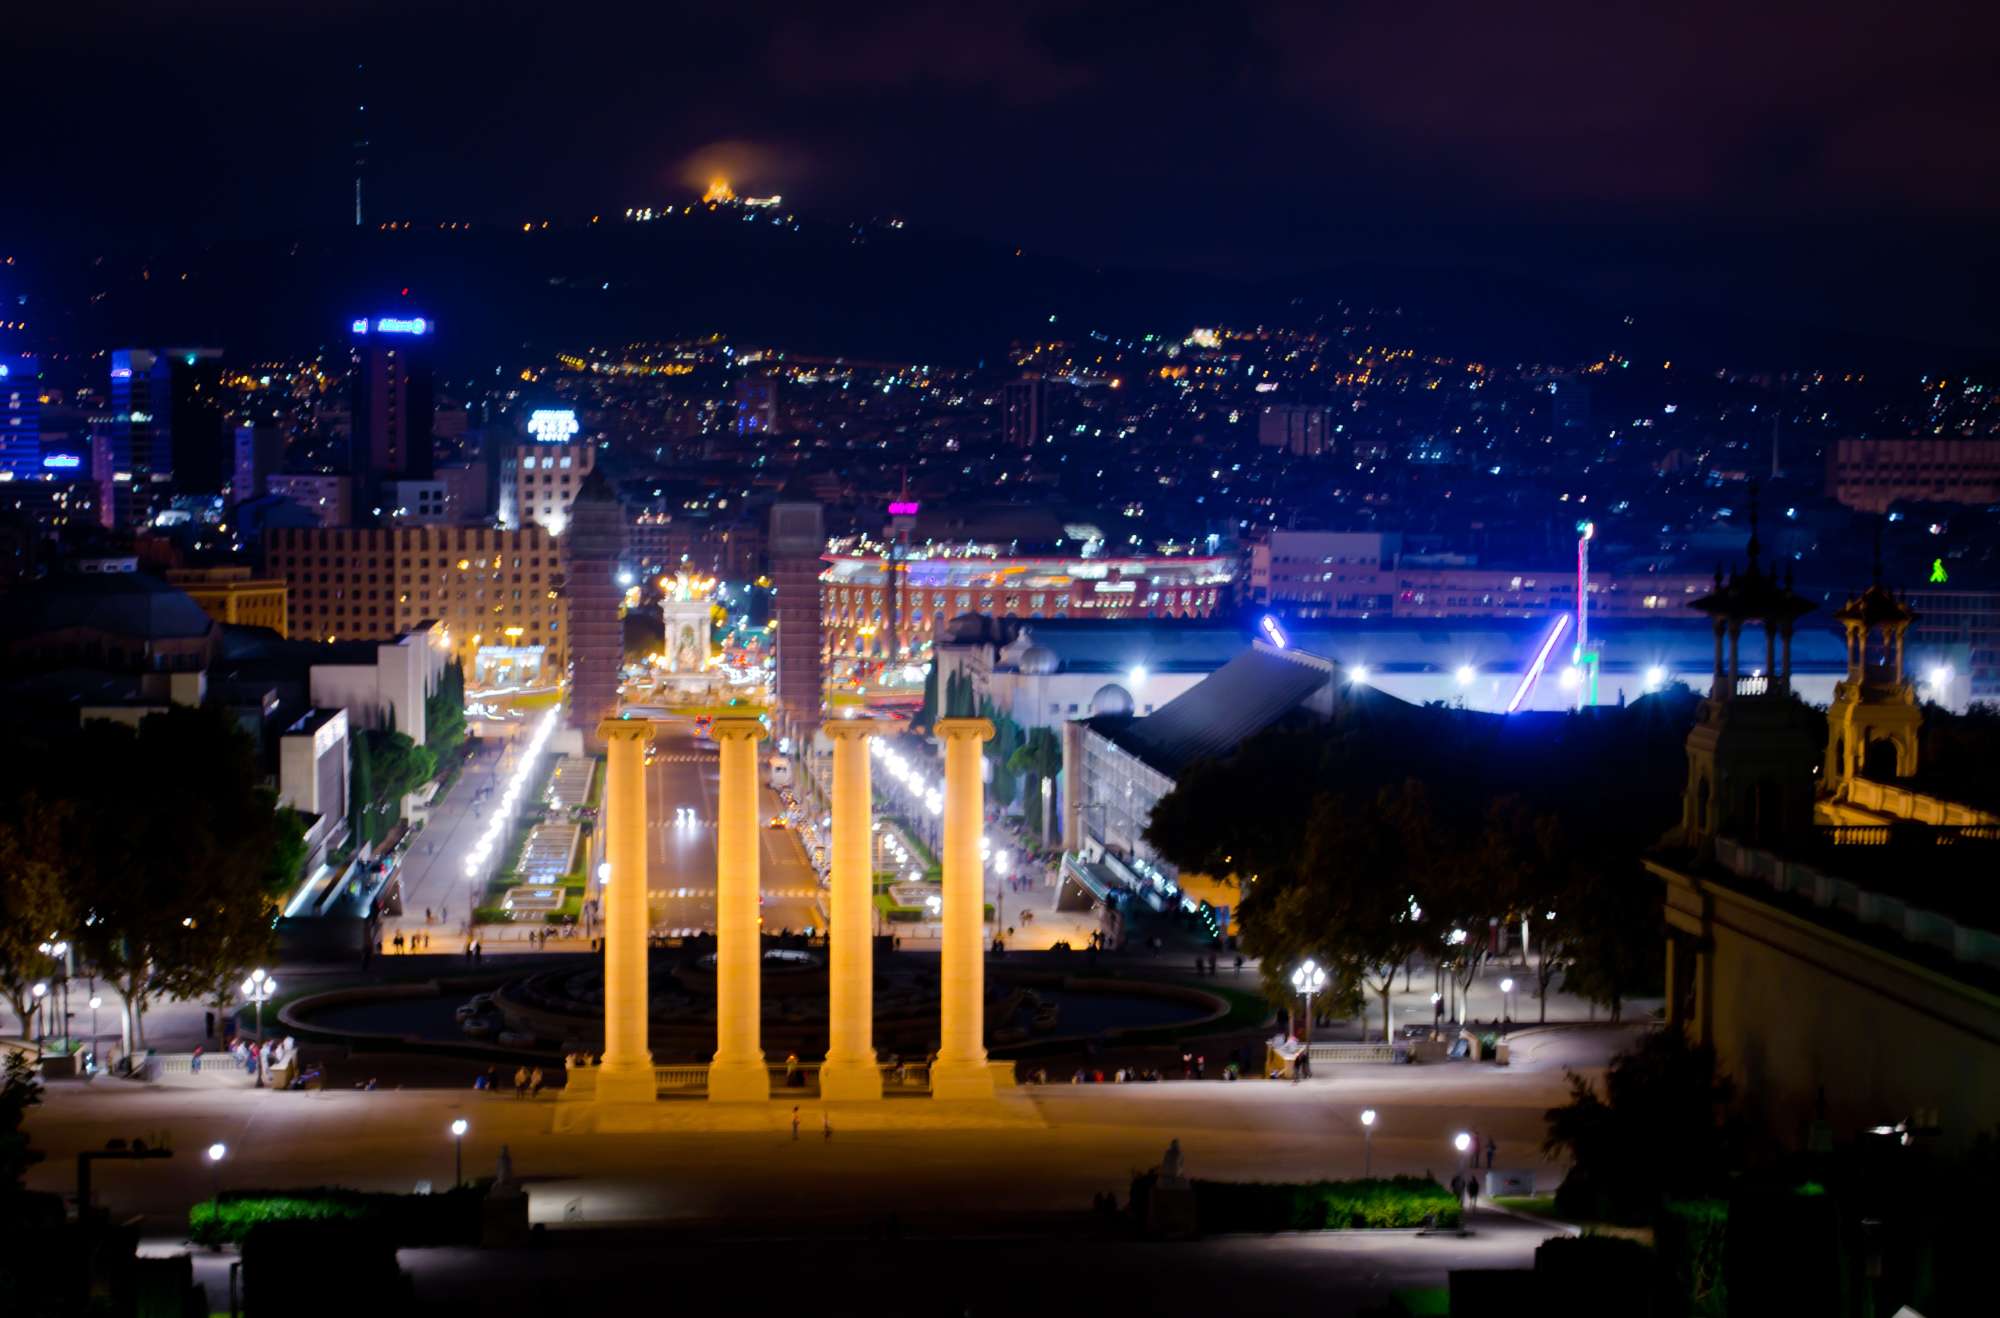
904, 508
553, 425
61, 460
394, 325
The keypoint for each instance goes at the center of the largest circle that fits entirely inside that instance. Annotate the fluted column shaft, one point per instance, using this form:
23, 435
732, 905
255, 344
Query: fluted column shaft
850, 1072
738, 1073
960, 1070
626, 1075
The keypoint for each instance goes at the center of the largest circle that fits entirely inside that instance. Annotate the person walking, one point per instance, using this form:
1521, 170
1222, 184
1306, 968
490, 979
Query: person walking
535, 1083
795, 1124
520, 1082
1458, 1188
1471, 1191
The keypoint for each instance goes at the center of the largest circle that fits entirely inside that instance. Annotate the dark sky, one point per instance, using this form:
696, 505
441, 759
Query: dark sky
1825, 162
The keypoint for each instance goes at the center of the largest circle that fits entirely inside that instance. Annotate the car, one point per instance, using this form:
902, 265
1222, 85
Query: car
777, 821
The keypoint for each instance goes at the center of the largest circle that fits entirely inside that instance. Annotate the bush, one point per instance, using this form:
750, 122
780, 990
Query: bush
1402, 1201
450, 1218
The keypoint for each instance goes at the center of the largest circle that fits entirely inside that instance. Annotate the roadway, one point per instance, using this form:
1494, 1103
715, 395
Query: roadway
681, 849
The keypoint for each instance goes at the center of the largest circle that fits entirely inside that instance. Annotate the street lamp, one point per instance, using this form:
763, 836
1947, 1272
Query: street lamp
95, 1003
1309, 979
458, 1129
216, 1153
258, 989
1367, 1142
1507, 991
41, 991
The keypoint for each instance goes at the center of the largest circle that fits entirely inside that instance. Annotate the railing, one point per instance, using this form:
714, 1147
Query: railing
910, 1077
1752, 686
1352, 1052
1908, 834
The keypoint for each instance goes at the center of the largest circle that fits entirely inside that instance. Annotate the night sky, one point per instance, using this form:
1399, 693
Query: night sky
1824, 163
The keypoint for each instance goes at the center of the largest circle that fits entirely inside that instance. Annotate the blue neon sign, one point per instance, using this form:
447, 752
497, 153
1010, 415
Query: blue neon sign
394, 325
61, 460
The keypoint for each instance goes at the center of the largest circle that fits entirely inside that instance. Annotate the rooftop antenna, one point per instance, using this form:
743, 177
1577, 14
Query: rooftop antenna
360, 135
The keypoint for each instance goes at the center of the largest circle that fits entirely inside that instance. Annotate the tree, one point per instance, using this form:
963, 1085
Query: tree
1360, 904
1006, 739
36, 906
1654, 1133
927, 713
444, 714
175, 841
1039, 758
1618, 949
19, 1091
361, 791
398, 766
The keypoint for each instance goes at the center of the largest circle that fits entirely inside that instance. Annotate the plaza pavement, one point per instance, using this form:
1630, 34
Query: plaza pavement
1068, 1143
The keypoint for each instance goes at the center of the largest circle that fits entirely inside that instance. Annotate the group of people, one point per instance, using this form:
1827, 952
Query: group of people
1465, 1185
527, 1082
417, 942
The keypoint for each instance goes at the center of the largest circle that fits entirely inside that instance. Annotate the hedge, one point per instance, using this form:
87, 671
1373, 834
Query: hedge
1401, 1201
449, 1218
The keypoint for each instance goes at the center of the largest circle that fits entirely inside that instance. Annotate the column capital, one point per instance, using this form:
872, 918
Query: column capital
638, 729
954, 729
858, 729
739, 727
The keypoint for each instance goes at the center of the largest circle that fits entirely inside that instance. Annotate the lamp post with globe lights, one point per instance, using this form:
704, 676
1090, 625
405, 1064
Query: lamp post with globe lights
41, 993
1367, 1142
96, 1001
1309, 979
1507, 996
458, 1129
216, 1153
259, 989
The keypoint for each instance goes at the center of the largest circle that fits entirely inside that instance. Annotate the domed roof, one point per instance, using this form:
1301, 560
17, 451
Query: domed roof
1111, 699
965, 628
1038, 661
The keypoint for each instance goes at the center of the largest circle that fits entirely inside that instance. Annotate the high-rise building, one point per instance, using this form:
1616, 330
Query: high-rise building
164, 427
21, 418
757, 405
798, 539
392, 398
498, 593
591, 553
1024, 406
328, 497
1297, 428
1870, 474
538, 482
260, 452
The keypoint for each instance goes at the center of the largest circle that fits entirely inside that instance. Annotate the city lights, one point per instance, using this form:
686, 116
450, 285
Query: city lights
497, 821
554, 425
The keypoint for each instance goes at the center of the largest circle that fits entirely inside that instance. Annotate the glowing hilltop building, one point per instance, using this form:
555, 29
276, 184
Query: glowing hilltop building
719, 192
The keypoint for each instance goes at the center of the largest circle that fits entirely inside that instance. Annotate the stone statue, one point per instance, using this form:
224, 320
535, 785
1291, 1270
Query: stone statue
503, 1175
1172, 1174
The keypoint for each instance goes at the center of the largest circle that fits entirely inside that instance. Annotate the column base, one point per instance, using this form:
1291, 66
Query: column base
850, 1082
746, 1081
961, 1079
625, 1084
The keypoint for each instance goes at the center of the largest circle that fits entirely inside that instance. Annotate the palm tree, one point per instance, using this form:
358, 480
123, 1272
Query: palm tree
1039, 757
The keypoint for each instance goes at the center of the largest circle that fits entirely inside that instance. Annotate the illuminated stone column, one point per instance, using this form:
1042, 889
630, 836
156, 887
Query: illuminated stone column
960, 1070
626, 1075
738, 1073
850, 1071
